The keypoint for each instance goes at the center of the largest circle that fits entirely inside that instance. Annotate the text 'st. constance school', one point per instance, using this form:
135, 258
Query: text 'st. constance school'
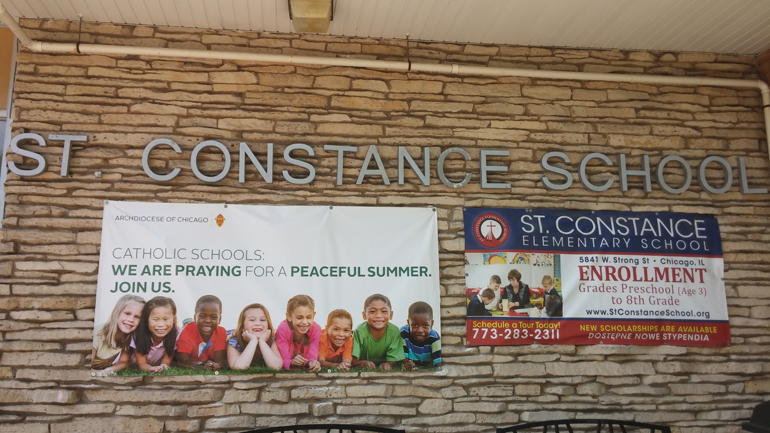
221, 229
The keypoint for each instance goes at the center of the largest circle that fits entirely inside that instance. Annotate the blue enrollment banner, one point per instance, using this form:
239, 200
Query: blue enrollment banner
549, 230
592, 277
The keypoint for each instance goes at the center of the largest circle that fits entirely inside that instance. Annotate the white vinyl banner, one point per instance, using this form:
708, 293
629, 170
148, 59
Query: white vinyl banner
247, 254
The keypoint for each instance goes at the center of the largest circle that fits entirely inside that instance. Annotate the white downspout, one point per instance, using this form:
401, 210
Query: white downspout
453, 69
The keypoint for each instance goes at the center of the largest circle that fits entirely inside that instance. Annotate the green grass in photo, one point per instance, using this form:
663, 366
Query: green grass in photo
256, 369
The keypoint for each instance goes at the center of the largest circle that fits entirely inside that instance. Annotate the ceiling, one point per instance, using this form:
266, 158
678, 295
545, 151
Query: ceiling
715, 26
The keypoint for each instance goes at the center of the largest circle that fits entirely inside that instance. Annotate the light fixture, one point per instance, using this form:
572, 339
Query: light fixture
311, 16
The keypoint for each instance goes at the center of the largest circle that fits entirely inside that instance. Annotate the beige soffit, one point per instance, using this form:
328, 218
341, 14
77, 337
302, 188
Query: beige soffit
716, 26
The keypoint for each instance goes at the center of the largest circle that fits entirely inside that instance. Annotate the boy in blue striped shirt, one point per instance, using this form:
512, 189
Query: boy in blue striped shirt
422, 345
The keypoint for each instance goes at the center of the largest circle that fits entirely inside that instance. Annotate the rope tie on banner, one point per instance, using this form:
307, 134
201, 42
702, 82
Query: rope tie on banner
80, 32
408, 60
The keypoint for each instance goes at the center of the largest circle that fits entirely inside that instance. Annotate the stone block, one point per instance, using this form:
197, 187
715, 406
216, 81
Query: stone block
435, 406
273, 394
548, 110
319, 393
369, 391
213, 410
368, 104
453, 370
109, 425
331, 82
240, 396
547, 92
51, 359
285, 80
599, 368
380, 409
150, 396
322, 409
493, 90
233, 77
231, 422
349, 129
626, 95
520, 369
192, 425
416, 86
452, 418
623, 113
25, 427
646, 141
155, 410
51, 334
697, 388
39, 396
527, 389
591, 388
275, 409
483, 406
245, 124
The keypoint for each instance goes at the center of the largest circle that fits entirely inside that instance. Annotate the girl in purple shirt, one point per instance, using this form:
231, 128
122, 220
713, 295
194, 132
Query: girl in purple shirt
155, 338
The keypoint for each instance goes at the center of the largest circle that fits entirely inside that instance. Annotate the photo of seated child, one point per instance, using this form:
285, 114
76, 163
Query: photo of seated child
253, 340
377, 342
548, 288
154, 341
115, 335
202, 342
553, 307
336, 349
494, 284
477, 305
422, 345
298, 337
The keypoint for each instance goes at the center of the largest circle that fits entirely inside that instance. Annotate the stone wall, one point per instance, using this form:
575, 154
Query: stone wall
51, 229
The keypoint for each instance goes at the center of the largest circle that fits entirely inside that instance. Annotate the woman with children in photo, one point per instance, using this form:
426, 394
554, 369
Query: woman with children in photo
145, 335
514, 296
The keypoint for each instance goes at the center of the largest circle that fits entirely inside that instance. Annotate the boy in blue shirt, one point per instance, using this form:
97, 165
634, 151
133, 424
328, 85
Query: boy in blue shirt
422, 345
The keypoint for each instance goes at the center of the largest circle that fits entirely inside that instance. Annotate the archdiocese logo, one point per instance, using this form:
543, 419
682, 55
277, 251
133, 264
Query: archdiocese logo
490, 230
220, 220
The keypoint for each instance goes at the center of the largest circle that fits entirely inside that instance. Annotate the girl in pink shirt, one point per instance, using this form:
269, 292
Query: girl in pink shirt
298, 336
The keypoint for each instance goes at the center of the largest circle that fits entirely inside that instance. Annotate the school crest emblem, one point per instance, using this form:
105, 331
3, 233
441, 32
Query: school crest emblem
490, 230
219, 220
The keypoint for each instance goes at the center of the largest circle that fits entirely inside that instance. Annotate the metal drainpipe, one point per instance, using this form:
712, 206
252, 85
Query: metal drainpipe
453, 69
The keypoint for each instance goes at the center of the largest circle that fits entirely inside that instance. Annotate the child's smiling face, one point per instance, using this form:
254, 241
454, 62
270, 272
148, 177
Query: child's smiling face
129, 317
161, 320
340, 331
494, 285
420, 326
207, 318
255, 321
378, 314
301, 319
